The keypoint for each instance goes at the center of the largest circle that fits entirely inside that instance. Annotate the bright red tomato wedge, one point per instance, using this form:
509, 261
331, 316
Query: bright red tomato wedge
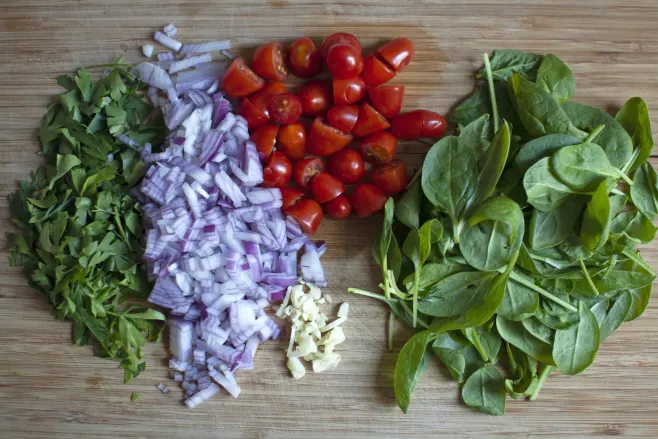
324, 140
278, 170
325, 187
306, 170
387, 99
391, 177
347, 164
418, 123
367, 199
369, 121
239, 80
397, 53
292, 141
307, 213
285, 108
339, 38
379, 148
348, 91
343, 117
290, 196
254, 115
304, 58
344, 61
269, 62
265, 138
315, 97
339, 208
375, 71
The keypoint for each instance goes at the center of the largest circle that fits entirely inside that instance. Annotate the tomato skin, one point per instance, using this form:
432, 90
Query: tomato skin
315, 97
339, 208
339, 38
379, 148
268, 61
391, 177
306, 170
278, 170
344, 61
304, 58
347, 164
325, 187
290, 196
387, 99
418, 123
349, 91
367, 199
285, 108
325, 140
239, 80
261, 99
254, 115
265, 139
291, 141
434, 125
397, 53
375, 71
343, 117
307, 213
369, 121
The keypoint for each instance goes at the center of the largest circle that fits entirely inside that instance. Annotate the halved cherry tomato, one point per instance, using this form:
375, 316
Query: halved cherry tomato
307, 213
290, 196
344, 61
367, 199
239, 80
254, 115
343, 117
325, 187
306, 170
305, 58
315, 97
387, 99
265, 138
261, 99
349, 91
379, 148
375, 71
292, 141
339, 208
391, 177
325, 140
347, 165
285, 108
278, 170
339, 38
269, 62
369, 121
397, 53
418, 123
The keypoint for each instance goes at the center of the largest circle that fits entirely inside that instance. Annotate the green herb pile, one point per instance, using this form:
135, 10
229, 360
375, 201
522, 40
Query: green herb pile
79, 240
513, 253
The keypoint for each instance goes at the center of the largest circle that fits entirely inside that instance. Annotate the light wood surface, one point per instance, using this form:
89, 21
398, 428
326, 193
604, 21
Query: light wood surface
50, 388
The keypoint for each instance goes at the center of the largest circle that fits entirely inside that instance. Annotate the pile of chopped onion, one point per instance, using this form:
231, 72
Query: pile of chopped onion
218, 247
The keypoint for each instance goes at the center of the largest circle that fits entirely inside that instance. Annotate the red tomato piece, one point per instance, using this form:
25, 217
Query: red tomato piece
339, 208
306, 170
307, 213
325, 140
315, 97
343, 117
292, 141
265, 138
305, 58
339, 38
278, 170
397, 53
239, 80
391, 177
254, 115
379, 148
344, 61
367, 199
261, 99
408, 125
375, 71
325, 187
285, 108
387, 99
347, 164
290, 196
269, 62
369, 121
434, 125
349, 91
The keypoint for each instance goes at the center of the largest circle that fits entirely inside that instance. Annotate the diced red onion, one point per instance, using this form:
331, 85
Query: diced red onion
209, 46
154, 75
168, 42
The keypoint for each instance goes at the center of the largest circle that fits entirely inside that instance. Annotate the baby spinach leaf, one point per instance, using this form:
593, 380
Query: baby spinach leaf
519, 301
575, 347
633, 225
431, 273
473, 107
639, 300
583, 167
555, 77
487, 341
644, 192
538, 111
492, 168
538, 329
430, 233
634, 117
452, 359
485, 390
409, 367
545, 192
595, 228
614, 140
516, 335
456, 294
504, 63
541, 147
460, 359
610, 317
477, 135
548, 229
408, 208
524, 373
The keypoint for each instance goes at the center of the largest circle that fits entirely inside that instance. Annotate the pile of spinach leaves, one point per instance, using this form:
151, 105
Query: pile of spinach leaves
79, 227
516, 244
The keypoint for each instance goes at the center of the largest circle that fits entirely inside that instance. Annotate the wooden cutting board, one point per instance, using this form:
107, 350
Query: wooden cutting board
51, 389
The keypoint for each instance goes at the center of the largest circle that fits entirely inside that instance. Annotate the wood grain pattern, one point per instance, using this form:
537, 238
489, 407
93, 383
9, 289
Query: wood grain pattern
50, 388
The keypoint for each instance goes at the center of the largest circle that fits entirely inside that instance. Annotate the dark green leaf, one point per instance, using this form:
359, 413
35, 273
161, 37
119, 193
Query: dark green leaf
582, 167
574, 348
545, 192
504, 63
485, 390
516, 335
542, 147
634, 118
644, 191
407, 209
408, 367
595, 228
555, 77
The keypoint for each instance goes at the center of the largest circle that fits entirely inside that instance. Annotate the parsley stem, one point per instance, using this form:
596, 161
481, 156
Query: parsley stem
492, 92
587, 277
543, 376
370, 294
